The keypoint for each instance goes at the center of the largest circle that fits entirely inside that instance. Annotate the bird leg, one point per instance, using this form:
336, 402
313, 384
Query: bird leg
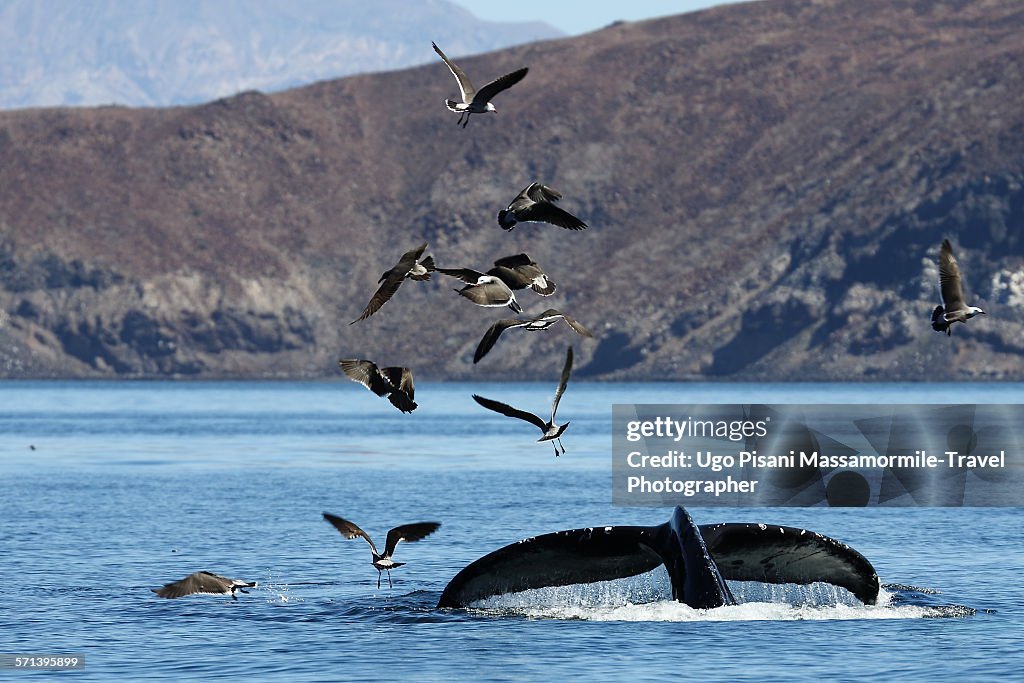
390, 585
466, 122
462, 115
560, 444
378, 579
555, 447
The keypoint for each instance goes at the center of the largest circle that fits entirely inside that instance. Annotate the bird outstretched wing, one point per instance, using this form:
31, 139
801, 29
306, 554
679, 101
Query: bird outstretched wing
349, 529
491, 336
949, 278
509, 411
546, 212
566, 371
408, 533
368, 374
487, 93
392, 280
465, 86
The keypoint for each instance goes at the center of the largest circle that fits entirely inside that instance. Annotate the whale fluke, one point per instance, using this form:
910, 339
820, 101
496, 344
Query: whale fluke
699, 559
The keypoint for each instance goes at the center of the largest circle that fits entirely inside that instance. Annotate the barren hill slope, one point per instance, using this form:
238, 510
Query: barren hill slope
766, 184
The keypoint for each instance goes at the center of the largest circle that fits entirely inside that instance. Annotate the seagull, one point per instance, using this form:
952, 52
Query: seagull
409, 266
484, 289
536, 203
953, 308
552, 431
521, 271
395, 383
204, 582
476, 101
540, 322
384, 563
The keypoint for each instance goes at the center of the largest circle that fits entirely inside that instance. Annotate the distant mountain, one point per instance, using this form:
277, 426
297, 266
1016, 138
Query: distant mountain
168, 52
767, 186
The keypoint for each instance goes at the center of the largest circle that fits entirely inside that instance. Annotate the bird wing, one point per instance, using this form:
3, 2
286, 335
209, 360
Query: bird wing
487, 93
576, 326
408, 533
368, 374
524, 272
512, 277
491, 292
543, 286
514, 262
522, 199
348, 529
949, 278
392, 281
465, 274
465, 86
199, 582
405, 384
492, 334
383, 294
546, 212
542, 193
562, 383
509, 411
404, 391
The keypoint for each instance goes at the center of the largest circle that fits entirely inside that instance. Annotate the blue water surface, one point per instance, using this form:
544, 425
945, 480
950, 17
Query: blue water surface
135, 484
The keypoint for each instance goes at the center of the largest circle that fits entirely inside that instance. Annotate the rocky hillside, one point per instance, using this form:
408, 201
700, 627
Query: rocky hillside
767, 186
164, 52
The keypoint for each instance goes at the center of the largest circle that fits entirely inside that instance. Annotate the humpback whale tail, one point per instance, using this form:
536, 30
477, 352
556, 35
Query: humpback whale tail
699, 560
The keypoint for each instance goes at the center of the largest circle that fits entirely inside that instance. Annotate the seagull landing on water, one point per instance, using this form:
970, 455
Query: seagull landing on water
552, 431
384, 563
953, 308
204, 582
476, 101
409, 266
536, 204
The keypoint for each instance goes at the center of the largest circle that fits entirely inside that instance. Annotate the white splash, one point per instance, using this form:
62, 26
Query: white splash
648, 598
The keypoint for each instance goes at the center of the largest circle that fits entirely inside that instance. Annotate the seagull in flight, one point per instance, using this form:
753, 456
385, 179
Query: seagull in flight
521, 271
395, 383
953, 308
551, 431
204, 582
540, 322
409, 266
536, 204
476, 101
384, 563
484, 289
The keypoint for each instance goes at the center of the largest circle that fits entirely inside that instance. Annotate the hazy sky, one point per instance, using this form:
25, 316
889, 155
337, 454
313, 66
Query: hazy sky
579, 17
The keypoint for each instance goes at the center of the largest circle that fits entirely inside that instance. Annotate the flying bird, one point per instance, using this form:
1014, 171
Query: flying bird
394, 383
521, 271
540, 322
409, 266
552, 431
204, 582
476, 101
953, 308
484, 289
384, 563
536, 204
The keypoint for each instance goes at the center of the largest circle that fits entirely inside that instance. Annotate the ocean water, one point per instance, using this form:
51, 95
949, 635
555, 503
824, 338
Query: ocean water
134, 484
